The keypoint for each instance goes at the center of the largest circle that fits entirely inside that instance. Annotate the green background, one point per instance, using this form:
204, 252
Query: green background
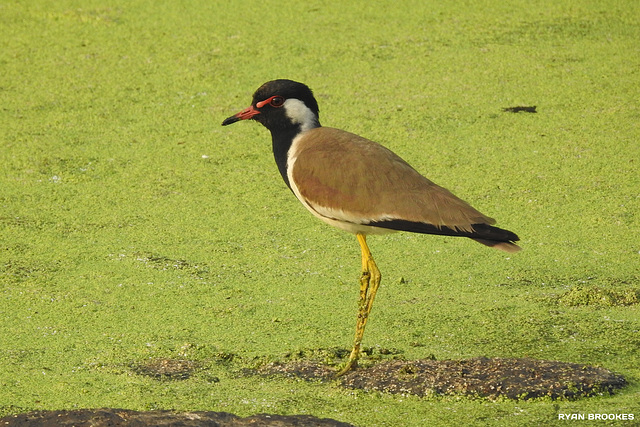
134, 226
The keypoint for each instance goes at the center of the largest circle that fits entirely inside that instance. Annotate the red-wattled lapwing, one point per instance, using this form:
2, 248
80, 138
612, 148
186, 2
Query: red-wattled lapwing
358, 185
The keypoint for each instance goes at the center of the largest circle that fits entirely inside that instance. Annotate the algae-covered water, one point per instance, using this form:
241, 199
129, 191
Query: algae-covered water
133, 227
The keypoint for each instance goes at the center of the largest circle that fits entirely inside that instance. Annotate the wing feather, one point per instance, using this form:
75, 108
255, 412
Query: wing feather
346, 177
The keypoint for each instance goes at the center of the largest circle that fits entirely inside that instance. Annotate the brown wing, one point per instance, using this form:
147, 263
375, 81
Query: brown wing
349, 178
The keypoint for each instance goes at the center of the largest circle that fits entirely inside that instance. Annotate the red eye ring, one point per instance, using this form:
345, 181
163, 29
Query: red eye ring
275, 101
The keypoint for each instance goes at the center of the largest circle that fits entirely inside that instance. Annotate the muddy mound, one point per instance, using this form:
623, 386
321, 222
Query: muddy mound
126, 418
480, 377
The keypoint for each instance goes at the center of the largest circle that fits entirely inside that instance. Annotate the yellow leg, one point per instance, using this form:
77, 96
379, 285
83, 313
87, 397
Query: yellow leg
369, 282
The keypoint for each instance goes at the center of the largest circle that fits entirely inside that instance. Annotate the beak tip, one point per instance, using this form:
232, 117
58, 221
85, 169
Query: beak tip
245, 114
229, 120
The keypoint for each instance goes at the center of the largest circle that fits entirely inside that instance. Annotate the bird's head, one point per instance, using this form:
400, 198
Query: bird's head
281, 105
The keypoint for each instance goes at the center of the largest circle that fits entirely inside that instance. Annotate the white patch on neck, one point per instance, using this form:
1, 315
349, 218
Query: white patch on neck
300, 114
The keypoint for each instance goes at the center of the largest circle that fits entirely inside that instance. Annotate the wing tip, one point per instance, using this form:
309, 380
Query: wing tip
508, 247
503, 246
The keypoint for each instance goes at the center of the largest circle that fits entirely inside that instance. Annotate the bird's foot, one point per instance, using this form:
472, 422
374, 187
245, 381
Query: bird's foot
351, 365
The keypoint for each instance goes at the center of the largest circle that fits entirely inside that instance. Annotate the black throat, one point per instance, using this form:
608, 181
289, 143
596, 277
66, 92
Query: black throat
281, 141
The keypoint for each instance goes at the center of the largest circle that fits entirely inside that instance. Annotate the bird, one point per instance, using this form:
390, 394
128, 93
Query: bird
359, 186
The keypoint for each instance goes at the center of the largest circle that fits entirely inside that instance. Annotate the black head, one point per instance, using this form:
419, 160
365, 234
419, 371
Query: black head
281, 105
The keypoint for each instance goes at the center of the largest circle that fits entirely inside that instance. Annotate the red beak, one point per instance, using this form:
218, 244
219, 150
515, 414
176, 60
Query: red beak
245, 114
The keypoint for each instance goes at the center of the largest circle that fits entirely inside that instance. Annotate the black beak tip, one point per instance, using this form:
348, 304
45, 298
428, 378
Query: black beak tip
230, 120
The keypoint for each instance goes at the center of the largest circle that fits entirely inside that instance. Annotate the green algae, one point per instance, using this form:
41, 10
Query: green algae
135, 228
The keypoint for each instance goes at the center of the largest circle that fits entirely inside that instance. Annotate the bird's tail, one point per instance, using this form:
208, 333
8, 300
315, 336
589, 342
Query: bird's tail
495, 237
486, 234
503, 246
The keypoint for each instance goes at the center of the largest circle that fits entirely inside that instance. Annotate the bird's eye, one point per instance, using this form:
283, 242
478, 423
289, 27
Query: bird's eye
277, 101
